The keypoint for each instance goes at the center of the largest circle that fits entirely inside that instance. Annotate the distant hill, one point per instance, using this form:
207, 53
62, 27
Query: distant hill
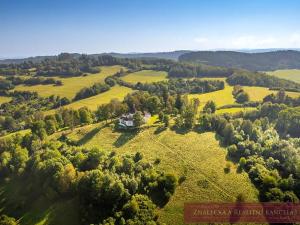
33, 59
262, 61
161, 55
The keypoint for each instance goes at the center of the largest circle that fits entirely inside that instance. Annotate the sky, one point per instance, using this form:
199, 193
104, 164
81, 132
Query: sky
48, 27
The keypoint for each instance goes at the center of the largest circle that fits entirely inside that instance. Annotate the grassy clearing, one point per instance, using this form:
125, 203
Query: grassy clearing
258, 93
118, 92
222, 97
144, 76
234, 110
197, 156
71, 85
4, 99
215, 78
21, 133
292, 74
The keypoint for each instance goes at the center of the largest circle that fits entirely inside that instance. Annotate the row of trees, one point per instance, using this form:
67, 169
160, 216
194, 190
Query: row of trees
247, 78
197, 70
91, 91
17, 80
181, 86
66, 65
282, 98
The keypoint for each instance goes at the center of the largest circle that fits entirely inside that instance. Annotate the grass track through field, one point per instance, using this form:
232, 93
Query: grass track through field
189, 161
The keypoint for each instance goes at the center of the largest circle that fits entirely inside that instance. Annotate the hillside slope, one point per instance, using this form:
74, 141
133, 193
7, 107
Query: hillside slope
191, 155
265, 61
174, 55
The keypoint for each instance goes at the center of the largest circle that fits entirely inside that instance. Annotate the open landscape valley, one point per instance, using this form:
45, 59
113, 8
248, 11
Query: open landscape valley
149, 112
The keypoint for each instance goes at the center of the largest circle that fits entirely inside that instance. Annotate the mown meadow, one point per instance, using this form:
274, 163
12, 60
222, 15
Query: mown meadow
196, 156
145, 76
71, 85
290, 74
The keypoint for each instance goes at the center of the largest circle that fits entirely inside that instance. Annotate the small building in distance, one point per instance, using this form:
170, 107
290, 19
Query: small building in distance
127, 120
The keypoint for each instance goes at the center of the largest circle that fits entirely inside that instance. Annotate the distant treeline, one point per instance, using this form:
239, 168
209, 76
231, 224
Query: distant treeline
16, 80
67, 64
190, 70
251, 61
10, 82
262, 80
91, 91
181, 86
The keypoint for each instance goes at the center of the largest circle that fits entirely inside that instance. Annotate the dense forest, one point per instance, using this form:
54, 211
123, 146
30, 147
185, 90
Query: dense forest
264, 61
111, 188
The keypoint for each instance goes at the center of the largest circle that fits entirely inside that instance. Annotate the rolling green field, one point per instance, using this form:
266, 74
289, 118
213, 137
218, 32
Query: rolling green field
118, 92
71, 85
258, 93
145, 76
191, 154
221, 97
225, 97
292, 74
4, 99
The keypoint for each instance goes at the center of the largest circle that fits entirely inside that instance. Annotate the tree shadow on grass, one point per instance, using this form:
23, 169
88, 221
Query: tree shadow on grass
160, 129
221, 141
125, 137
158, 198
86, 138
199, 129
181, 130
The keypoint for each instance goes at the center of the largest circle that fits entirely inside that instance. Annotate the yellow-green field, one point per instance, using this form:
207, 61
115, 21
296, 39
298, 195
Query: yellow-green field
71, 85
21, 133
292, 74
4, 99
145, 76
191, 154
222, 97
258, 93
118, 92
234, 110
225, 97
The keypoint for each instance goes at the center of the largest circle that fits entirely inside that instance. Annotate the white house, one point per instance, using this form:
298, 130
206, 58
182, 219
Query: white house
126, 120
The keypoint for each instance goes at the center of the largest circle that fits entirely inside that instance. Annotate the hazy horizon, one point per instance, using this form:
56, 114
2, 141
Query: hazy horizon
38, 28
256, 50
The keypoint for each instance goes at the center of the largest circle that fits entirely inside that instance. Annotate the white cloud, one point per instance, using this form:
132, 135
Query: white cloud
249, 41
295, 39
253, 42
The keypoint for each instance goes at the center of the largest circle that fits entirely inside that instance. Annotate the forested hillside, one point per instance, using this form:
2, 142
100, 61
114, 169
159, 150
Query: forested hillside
160, 55
264, 61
